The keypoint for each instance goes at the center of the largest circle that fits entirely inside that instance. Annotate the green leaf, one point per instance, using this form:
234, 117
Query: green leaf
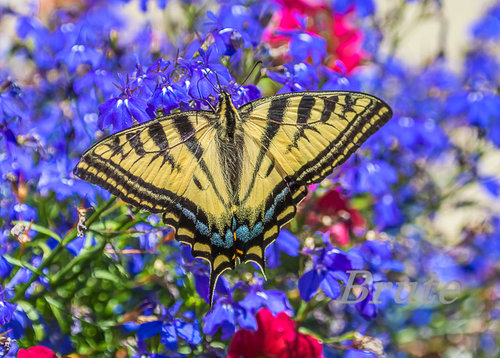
34, 317
106, 275
58, 310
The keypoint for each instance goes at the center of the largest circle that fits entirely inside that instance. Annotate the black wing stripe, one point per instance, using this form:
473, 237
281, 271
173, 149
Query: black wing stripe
275, 115
185, 129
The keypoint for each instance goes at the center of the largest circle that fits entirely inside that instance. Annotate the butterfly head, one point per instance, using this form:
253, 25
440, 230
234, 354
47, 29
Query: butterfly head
225, 102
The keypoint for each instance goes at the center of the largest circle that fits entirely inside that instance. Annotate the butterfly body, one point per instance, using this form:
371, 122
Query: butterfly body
227, 181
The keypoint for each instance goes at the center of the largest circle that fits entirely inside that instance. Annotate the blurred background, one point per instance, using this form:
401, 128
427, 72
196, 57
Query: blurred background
84, 275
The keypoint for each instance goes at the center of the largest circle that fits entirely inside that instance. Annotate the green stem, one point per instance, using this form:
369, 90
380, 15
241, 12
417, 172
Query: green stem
308, 307
59, 278
57, 250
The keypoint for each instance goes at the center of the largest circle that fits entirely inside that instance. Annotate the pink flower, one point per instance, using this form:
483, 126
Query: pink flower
276, 337
344, 40
341, 219
36, 352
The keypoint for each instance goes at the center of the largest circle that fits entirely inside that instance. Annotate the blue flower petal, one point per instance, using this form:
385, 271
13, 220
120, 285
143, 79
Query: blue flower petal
308, 284
149, 329
330, 286
169, 336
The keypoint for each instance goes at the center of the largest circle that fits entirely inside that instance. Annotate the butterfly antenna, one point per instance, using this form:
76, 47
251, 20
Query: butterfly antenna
208, 79
217, 77
251, 71
202, 99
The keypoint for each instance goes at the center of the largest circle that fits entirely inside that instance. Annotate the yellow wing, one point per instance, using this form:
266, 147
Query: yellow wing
170, 165
293, 140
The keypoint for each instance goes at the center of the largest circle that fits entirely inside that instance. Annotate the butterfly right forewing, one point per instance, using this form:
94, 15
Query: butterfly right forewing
293, 140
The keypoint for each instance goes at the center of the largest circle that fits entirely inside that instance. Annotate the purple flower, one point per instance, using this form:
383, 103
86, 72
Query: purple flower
120, 112
160, 3
168, 96
226, 315
387, 212
304, 45
488, 27
79, 54
355, 353
296, 78
362, 7
371, 176
285, 242
241, 95
329, 267
6, 309
171, 328
276, 301
205, 73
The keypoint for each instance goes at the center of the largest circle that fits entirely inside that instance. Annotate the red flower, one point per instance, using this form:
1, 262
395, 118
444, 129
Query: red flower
276, 337
343, 38
36, 352
344, 219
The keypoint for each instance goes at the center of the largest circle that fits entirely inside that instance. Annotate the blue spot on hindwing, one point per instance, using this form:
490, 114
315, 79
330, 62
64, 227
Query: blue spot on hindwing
257, 230
200, 227
227, 242
187, 213
243, 233
229, 239
268, 216
217, 240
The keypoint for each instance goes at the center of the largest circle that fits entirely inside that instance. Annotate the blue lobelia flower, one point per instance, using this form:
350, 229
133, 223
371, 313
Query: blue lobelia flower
78, 54
162, 4
96, 80
170, 328
304, 45
241, 95
226, 315
276, 301
379, 255
355, 353
338, 79
200, 271
388, 214
120, 112
6, 309
236, 24
169, 95
296, 78
488, 27
362, 7
5, 266
481, 68
286, 242
205, 72
370, 176
329, 267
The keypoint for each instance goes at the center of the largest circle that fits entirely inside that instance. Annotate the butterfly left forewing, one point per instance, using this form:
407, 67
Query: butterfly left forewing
171, 165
